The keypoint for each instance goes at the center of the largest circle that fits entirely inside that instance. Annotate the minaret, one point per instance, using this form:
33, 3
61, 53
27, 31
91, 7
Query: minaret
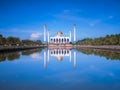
48, 36
48, 55
70, 57
44, 59
70, 36
74, 32
74, 59
44, 33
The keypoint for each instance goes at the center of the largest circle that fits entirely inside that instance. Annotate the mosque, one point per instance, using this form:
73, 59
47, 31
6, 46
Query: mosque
59, 54
59, 38
59, 46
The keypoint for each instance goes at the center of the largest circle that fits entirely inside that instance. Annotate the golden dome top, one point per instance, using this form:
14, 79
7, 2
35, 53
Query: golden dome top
59, 59
59, 33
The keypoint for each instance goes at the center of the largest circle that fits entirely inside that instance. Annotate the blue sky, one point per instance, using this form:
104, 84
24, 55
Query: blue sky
25, 18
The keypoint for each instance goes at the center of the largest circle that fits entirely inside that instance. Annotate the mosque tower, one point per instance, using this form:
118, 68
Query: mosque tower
74, 32
44, 33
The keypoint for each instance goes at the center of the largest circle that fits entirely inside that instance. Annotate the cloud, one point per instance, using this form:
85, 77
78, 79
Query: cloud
69, 14
36, 56
76, 15
66, 11
110, 17
92, 24
16, 30
95, 22
111, 74
34, 36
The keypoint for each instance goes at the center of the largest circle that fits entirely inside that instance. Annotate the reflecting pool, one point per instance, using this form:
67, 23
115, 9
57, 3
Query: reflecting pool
60, 69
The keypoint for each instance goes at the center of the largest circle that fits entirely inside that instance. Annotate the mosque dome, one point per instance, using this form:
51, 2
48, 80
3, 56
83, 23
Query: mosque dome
59, 33
59, 59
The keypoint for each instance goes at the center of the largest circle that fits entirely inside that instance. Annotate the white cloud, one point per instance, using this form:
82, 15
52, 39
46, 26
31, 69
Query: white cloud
95, 22
15, 30
66, 11
73, 15
92, 24
69, 14
110, 17
35, 36
36, 56
111, 74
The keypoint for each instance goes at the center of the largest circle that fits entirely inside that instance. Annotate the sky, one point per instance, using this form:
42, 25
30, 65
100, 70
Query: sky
25, 18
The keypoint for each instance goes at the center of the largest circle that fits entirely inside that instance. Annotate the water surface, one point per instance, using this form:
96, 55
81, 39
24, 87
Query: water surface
56, 69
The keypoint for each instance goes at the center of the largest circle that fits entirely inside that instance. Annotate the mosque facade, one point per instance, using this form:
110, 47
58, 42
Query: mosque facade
59, 46
59, 38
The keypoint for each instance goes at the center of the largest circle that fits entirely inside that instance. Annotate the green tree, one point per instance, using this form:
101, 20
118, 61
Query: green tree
2, 40
13, 41
107, 40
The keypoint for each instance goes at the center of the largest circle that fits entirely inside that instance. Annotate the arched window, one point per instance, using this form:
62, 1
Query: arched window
59, 52
51, 52
67, 40
57, 40
62, 51
51, 40
67, 52
62, 40
54, 40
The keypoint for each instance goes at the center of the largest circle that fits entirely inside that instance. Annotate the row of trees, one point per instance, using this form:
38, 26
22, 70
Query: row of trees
15, 41
109, 55
107, 40
16, 55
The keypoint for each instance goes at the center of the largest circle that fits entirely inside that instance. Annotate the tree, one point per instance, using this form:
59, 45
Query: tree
2, 40
13, 41
107, 40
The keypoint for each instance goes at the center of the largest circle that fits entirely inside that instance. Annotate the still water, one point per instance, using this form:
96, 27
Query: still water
60, 69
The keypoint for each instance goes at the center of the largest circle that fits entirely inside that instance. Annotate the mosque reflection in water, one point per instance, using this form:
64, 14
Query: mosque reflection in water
59, 54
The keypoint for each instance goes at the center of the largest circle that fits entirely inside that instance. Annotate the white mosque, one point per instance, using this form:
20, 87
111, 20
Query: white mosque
59, 54
59, 38
54, 50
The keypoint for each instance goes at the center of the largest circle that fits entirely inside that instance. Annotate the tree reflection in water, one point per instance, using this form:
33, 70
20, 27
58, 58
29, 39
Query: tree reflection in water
31, 51
10, 56
108, 54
